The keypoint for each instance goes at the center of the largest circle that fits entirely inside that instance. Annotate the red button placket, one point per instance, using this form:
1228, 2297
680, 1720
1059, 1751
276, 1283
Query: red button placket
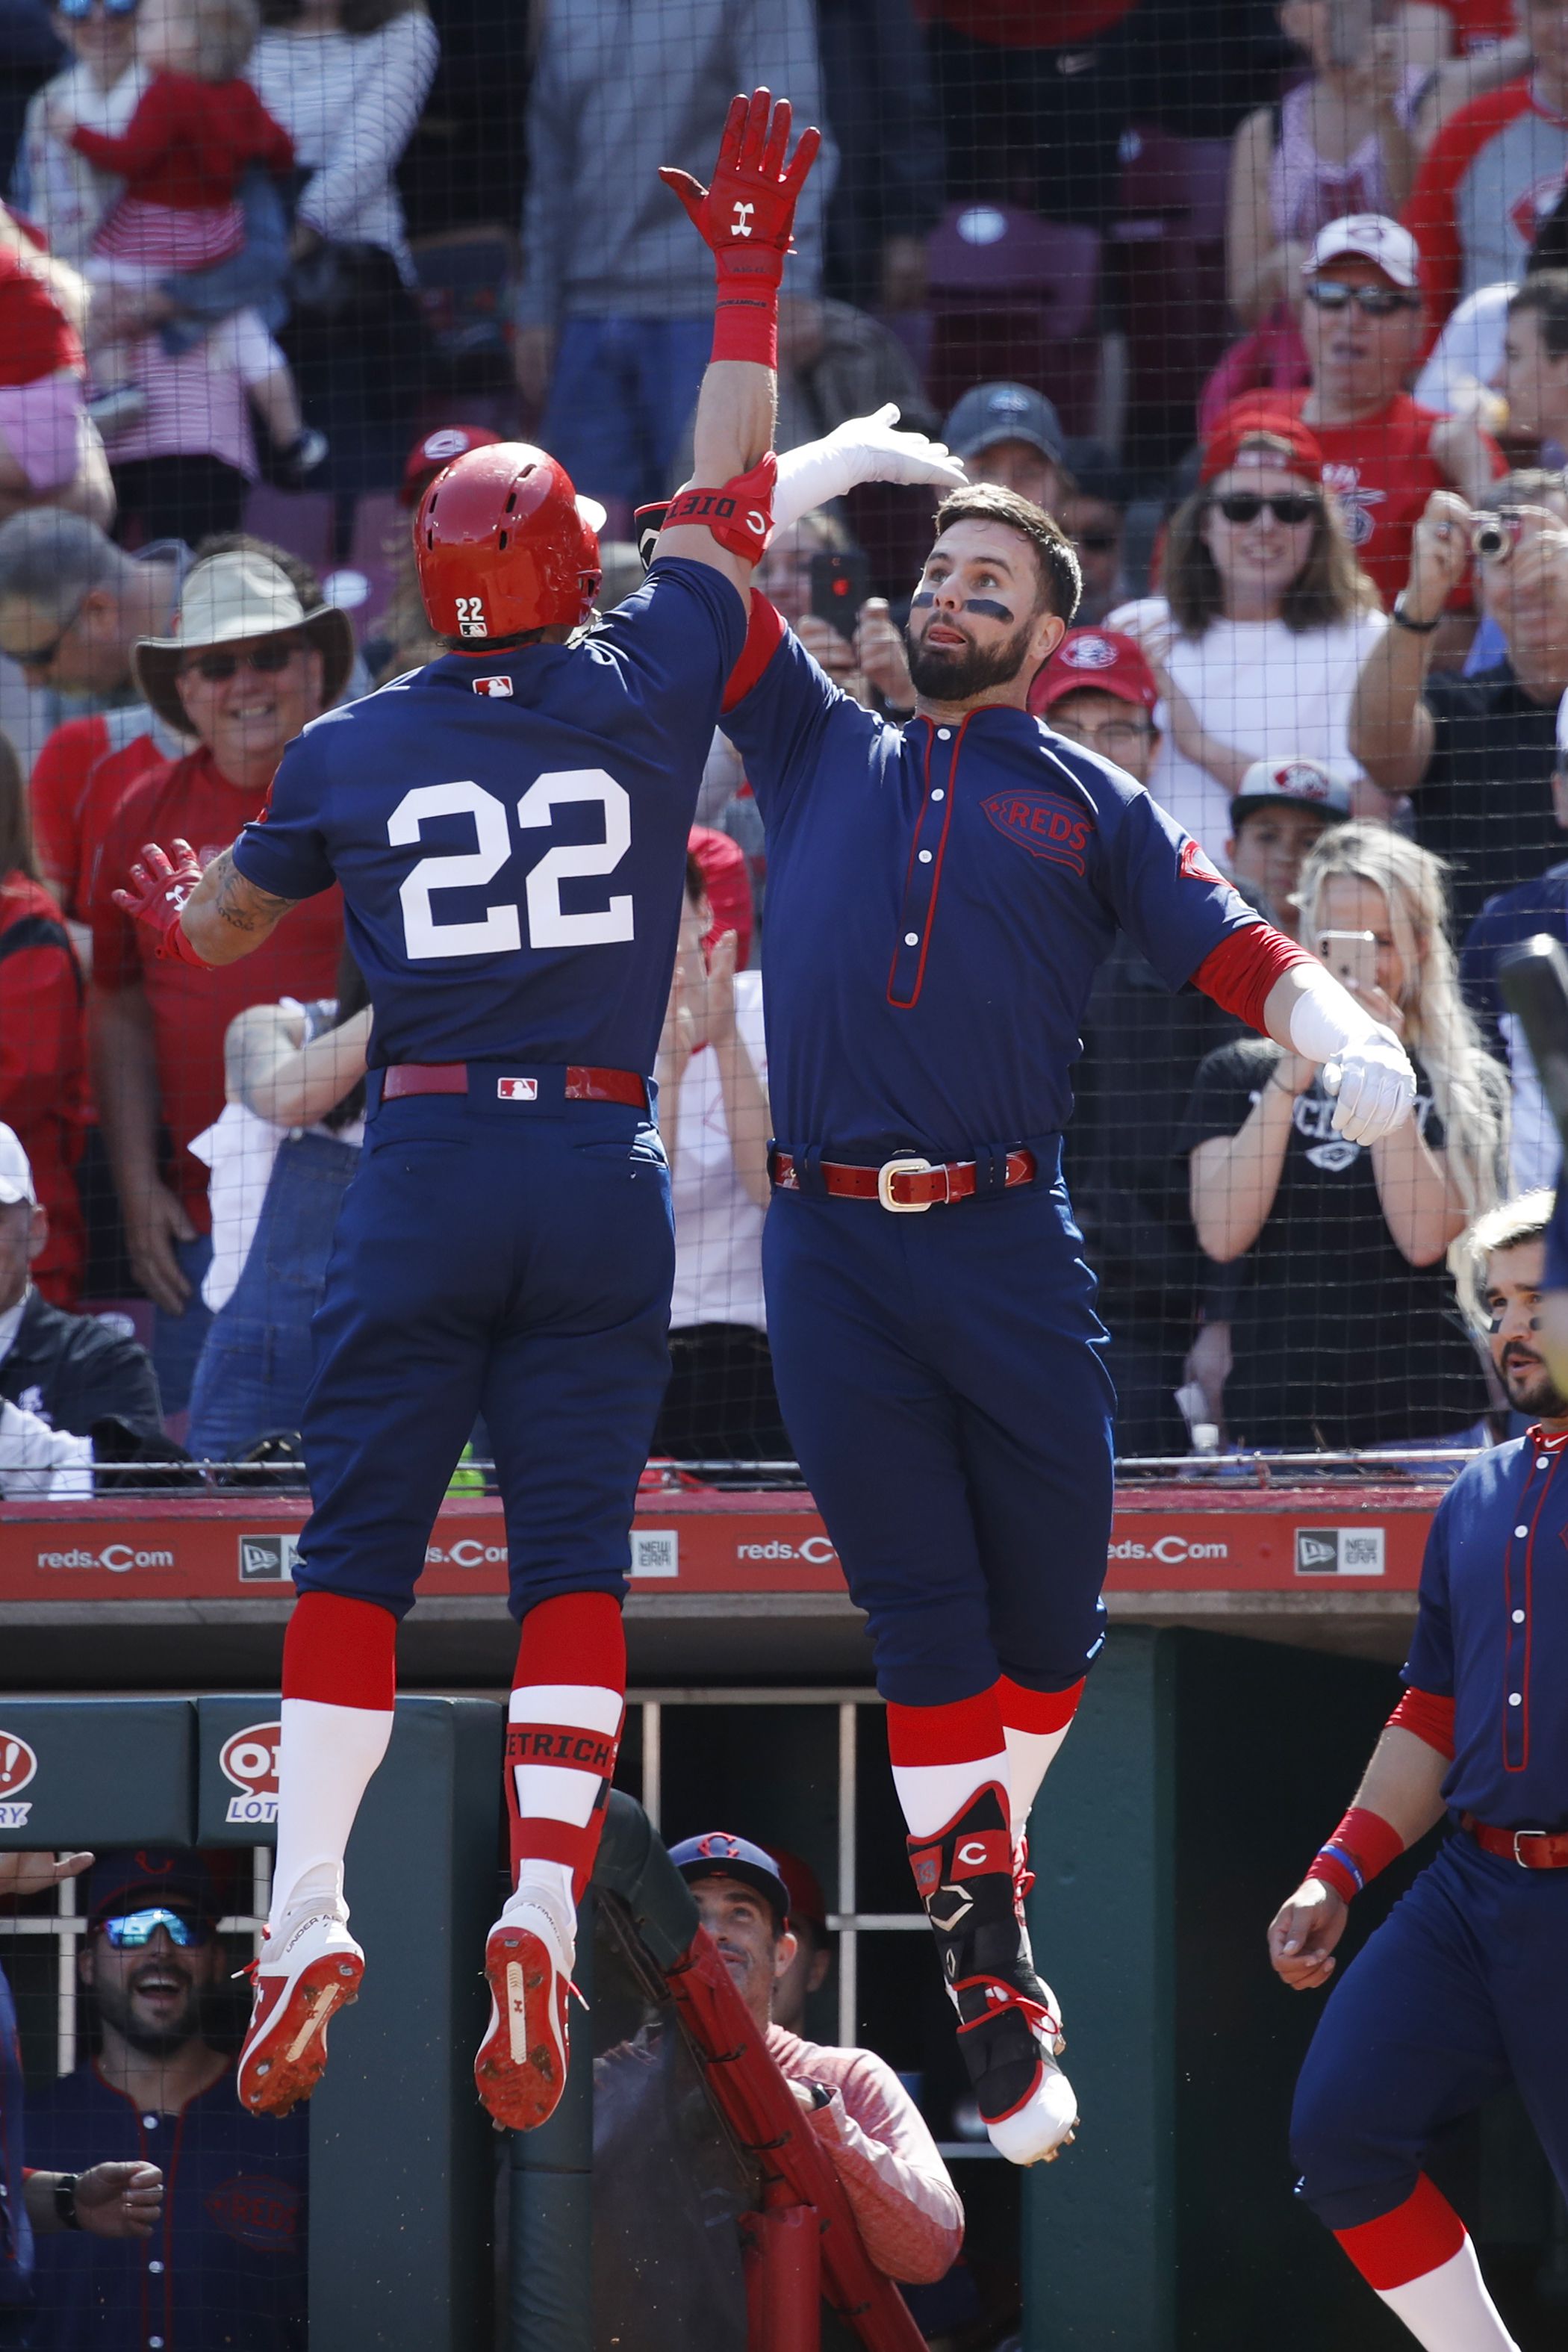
922, 879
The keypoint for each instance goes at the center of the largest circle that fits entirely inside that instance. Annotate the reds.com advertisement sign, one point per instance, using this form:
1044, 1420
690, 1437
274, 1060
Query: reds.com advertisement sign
1170, 1539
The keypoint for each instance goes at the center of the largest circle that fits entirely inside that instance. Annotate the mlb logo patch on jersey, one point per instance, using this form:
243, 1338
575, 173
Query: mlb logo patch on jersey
498, 686
518, 1089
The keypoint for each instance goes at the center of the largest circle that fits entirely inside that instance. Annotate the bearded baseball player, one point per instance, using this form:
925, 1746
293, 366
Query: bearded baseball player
509, 826
1460, 1990
940, 895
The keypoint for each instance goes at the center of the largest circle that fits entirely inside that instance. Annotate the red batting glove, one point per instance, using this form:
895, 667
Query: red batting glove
158, 892
745, 217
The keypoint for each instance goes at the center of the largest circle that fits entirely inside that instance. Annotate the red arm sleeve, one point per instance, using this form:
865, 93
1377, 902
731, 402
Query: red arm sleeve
1239, 974
1431, 1718
144, 140
764, 633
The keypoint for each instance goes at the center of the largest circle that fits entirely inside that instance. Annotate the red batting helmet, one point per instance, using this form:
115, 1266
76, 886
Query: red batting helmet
502, 545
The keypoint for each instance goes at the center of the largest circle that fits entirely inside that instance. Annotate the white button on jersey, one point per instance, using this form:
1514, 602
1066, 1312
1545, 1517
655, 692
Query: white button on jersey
912, 939
155, 2266
1522, 1531
1514, 1699
939, 794
149, 2123
925, 858
1519, 1616
943, 733
1544, 1461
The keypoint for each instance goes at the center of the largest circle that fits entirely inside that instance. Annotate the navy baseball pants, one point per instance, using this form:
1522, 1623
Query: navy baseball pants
942, 1379
498, 1257
1458, 1992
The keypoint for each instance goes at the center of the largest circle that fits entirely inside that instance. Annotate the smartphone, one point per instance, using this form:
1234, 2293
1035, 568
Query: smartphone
1350, 956
840, 586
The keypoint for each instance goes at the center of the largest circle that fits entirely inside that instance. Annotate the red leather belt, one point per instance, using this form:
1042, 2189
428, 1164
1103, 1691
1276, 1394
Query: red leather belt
452, 1078
906, 1184
1532, 1849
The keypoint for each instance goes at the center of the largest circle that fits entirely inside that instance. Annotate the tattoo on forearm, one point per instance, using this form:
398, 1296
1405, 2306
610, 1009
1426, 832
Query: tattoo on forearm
238, 902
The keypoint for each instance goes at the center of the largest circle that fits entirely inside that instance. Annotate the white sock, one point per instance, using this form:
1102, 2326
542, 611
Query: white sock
326, 1759
1449, 2309
1030, 1755
933, 1794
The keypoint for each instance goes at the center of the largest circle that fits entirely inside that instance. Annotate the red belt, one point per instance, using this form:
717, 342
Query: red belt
906, 1184
1532, 1849
452, 1078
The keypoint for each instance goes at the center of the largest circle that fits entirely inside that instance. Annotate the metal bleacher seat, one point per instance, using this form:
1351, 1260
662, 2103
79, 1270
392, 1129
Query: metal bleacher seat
1169, 246
1014, 295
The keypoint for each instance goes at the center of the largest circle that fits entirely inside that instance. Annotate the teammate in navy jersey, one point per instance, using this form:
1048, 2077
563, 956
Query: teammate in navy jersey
509, 826
939, 899
1460, 1990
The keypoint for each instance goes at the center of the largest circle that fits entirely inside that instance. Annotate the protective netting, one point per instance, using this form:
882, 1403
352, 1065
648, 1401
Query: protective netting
265, 274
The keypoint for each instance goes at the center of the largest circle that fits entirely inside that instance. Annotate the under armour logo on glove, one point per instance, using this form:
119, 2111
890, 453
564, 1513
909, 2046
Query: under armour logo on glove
159, 888
750, 158
741, 225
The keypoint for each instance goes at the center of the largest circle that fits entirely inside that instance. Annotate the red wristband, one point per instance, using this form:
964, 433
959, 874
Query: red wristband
740, 516
176, 948
1363, 1846
746, 323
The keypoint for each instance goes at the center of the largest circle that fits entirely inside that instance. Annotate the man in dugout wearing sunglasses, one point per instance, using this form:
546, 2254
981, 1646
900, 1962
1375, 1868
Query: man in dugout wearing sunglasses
229, 2265
1383, 455
245, 668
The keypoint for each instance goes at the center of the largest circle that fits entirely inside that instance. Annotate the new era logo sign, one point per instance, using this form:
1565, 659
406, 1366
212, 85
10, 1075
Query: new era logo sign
267, 1559
1341, 1552
518, 1089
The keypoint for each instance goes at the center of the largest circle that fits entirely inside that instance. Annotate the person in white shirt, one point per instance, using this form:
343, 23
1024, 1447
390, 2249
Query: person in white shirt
714, 1116
1265, 620
281, 1154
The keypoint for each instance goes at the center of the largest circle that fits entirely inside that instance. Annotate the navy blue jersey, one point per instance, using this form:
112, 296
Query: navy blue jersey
939, 901
1492, 1633
509, 832
15, 2229
1540, 904
226, 2266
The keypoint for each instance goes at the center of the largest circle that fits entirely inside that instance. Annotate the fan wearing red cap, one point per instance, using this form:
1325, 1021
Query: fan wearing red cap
508, 825
1098, 691
433, 451
1264, 622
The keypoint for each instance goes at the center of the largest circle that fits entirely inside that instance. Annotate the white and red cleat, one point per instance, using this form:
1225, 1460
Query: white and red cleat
521, 2070
308, 1970
1044, 2120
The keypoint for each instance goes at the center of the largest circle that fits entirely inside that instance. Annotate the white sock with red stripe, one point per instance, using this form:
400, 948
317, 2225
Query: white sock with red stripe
1034, 1723
339, 1686
1420, 2260
942, 1756
563, 1731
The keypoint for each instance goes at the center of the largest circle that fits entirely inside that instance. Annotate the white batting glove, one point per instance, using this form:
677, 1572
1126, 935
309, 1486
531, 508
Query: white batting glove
1373, 1088
861, 449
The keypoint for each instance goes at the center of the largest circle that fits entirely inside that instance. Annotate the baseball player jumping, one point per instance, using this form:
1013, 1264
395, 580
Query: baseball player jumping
509, 826
1460, 1990
939, 899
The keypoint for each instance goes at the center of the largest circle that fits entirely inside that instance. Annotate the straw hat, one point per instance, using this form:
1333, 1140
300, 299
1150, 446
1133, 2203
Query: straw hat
236, 596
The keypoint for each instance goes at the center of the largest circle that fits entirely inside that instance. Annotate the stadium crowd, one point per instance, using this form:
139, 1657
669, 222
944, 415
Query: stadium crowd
251, 300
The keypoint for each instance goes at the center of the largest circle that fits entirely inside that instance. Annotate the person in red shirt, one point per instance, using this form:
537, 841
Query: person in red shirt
1383, 455
197, 129
246, 668
50, 451
42, 1048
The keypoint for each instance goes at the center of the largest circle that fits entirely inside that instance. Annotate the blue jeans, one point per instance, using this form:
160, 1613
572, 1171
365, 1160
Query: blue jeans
623, 392
178, 1339
256, 1366
250, 279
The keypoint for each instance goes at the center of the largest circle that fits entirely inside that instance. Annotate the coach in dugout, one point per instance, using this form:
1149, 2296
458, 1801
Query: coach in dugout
244, 670
905, 2205
228, 2268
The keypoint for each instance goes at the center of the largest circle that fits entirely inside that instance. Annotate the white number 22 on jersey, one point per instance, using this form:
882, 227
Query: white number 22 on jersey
549, 923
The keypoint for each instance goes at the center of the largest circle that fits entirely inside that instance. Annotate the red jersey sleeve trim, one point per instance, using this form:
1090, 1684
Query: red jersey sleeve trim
1239, 974
764, 634
1430, 1718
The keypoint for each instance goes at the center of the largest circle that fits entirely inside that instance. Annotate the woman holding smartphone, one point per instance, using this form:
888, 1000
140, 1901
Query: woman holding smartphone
1344, 1327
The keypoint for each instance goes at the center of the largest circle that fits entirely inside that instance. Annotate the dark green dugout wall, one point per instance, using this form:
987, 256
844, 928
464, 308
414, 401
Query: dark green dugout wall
1200, 1777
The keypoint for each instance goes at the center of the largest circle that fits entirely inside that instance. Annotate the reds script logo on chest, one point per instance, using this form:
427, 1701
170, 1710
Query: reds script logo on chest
1044, 824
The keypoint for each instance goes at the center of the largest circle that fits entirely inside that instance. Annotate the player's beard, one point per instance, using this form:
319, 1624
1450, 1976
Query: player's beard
952, 674
1530, 1387
114, 2006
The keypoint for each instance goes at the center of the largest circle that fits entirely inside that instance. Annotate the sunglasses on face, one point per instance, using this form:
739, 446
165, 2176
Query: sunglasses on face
1118, 735
133, 1930
267, 660
1372, 301
1292, 507
43, 657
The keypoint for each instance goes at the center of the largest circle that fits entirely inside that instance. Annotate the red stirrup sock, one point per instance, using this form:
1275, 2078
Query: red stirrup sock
1420, 2260
942, 1756
340, 1684
1034, 1724
563, 1730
